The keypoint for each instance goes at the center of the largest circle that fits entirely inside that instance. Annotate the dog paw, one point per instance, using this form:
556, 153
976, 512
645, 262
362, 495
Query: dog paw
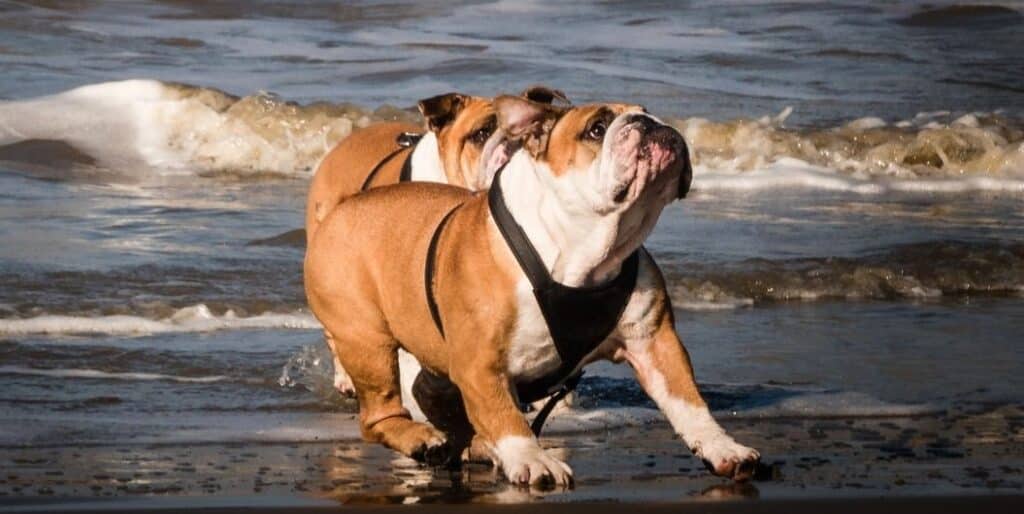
726, 458
435, 452
526, 463
343, 382
479, 452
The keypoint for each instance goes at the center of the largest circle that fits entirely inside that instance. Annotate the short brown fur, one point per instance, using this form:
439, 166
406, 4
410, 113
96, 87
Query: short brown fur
346, 167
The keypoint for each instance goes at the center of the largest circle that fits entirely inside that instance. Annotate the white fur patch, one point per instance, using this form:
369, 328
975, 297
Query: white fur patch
408, 368
426, 161
531, 351
693, 423
343, 382
525, 462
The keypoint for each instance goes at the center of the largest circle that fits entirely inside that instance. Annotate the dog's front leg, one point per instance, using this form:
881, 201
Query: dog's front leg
495, 416
663, 368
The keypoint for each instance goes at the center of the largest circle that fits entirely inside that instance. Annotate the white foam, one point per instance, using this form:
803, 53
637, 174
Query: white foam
101, 120
791, 173
169, 128
156, 126
931, 152
197, 318
834, 405
97, 374
808, 405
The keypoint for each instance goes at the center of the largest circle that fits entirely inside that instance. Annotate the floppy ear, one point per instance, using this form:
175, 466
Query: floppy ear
686, 175
545, 95
441, 110
526, 121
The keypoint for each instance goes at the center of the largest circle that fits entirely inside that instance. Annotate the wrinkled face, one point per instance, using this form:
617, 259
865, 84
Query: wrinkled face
472, 147
470, 142
602, 157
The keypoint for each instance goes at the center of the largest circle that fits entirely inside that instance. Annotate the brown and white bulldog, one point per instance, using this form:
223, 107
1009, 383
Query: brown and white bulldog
586, 189
461, 146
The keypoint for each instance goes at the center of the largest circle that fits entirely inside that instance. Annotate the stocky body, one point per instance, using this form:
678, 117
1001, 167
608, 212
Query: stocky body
585, 205
460, 146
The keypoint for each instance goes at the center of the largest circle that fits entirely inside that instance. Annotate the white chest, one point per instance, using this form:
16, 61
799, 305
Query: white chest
426, 161
531, 352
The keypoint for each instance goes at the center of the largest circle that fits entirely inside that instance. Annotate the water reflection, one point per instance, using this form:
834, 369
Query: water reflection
358, 478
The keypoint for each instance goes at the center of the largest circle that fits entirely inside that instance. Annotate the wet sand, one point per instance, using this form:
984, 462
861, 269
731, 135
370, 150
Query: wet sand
976, 453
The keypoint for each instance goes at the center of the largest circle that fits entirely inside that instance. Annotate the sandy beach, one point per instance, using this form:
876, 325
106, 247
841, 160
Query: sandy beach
975, 453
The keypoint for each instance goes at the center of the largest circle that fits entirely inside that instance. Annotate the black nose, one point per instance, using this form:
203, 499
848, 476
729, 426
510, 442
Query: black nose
666, 136
645, 122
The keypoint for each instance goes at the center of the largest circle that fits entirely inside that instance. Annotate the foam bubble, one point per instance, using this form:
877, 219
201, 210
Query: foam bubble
196, 318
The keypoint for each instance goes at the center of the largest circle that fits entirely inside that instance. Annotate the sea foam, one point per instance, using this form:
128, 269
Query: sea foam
105, 375
172, 127
196, 318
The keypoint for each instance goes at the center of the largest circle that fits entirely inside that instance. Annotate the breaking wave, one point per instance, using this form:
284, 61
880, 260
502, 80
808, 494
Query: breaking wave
914, 271
133, 302
179, 128
931, 152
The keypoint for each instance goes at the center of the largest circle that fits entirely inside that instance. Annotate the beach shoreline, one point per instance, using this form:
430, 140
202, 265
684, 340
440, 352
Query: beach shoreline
958, 453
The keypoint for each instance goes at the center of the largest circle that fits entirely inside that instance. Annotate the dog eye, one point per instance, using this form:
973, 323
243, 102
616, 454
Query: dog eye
596, 131
481, 135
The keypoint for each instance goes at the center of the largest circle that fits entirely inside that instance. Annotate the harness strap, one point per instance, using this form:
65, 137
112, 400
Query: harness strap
568, 386
524, 252
579, 319
405, 141
428, 271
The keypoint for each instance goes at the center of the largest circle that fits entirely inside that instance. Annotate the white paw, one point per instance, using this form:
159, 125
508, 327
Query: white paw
725, 457
526, 463
343, 382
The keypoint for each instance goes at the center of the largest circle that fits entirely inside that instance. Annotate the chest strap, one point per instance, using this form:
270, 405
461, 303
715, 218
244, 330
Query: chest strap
578, 318
405, 141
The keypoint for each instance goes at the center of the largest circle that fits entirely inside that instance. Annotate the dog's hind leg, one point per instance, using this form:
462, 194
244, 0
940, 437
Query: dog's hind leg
371, 359
342, 382
442, 404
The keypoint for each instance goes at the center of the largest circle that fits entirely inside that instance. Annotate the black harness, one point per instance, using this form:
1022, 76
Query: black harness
578, 318
405, 141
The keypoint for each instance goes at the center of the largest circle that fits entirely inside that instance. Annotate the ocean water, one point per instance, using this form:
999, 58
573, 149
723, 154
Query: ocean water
853, 245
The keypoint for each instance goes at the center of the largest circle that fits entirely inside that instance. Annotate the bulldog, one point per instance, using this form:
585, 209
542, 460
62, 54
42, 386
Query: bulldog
510, 293
461, 146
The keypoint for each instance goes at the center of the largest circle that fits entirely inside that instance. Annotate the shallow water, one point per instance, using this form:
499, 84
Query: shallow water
860, 254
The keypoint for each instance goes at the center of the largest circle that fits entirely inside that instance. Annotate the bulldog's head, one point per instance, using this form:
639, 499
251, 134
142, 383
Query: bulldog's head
602, 158
470, 145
